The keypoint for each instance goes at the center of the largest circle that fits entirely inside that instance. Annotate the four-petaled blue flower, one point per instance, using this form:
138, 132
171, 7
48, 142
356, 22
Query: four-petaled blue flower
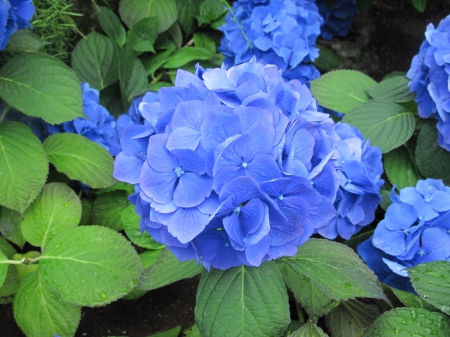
14, 15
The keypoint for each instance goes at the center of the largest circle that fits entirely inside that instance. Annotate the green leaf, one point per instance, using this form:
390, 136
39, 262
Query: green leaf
111, 25
433, 161
335, 269
204, 41
107, 209
119, 186
187, 11
351, 318
51, 88
412, 301
111, 99
80, 159
169, 333
400, 168
176, 35
3, 267
24, 41
342, 90
23, 166
212, 10
158, 85
357, 239
387, 124
130, 221
420, 5
394, 89
95, 61
165, 11
166, 270
143, 34
327, 60
310, 329
25, 269
430, 281
132, 77
409, 322
242, 301
385, 199
193, 331
313, 300
11, 283
90, 265
40, 312
154, 62
54, 210
185, 55
364, 5
86, 207
10, 226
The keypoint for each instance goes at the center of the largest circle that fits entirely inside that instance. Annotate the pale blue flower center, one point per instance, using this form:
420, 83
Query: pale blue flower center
421, 253
237, 210
244, 165
280, 197
179, 171
227, 244
428, 198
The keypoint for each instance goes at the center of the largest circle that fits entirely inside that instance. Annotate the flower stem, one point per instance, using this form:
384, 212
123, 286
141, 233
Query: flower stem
238, 23
4, 112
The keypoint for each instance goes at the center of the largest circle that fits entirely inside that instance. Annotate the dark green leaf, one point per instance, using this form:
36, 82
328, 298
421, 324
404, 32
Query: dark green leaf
409, 322
351, 318
143, 34
310, 329
3, 267
204, 41
86, 204
385, 199
24, 41
185, 55
51, 88
364, 5
387, 124
357, 239
54, 210
193, 331
400, 168
327, 60
419, 5
23, 166
133, 79
433, 161
90, 265
187, 11
80, 159
110, 98
342, 90
119, 186
394, 89
169, 333
166, 270
158, 85
10, 226
242, 301
154, 62
412, 301
175, 33
212, 10
335, 269
111, 25
107, 210
95, 60
431, 281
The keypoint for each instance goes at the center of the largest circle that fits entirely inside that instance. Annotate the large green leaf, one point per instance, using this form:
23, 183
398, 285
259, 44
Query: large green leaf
143, 35
394, 89
431, 281
387, 124
166, 270
10, 226
80, 159
107, 209
154, 62
310, 329
185, 55
412, 300
41, 86
132, 76
40, 312
95, 60
187, 11
351, 318
164, 11
312, 299
23, 166
335, 269
433, 161
54, 210
111, 25
401, 168
409, 322
24, 41
342, 90
242, 301
90, 265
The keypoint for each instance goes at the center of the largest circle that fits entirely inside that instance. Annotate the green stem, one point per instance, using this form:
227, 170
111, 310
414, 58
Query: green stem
12, 261
301, 318
238, 23
31, 261
4, 112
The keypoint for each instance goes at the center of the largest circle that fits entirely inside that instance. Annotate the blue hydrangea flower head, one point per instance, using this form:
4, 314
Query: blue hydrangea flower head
429, 77
100, 127
279, 32
415, 229
14, 15
222, 170
360, 167
337, 18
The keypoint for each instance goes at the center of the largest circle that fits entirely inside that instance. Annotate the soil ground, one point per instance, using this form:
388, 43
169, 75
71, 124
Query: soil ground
383, 41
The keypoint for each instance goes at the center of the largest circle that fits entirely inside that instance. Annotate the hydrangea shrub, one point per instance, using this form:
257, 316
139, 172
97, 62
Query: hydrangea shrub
337, 18
429, 77
14, 15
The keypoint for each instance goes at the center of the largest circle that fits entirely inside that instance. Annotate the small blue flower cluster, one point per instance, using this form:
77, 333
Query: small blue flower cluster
337, 18
360, 167
100, 127
430, 75
14, 15
415, 230
231, 166
279, 32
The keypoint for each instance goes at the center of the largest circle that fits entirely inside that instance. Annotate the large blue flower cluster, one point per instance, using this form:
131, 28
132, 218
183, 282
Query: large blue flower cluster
280, 32
100, 127
337, 18
415, 230
14, 15
231, 166
360, 167
430, 75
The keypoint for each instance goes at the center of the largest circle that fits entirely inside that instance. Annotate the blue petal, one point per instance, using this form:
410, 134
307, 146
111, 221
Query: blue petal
158, 185
127, 168
192, 190
187, 223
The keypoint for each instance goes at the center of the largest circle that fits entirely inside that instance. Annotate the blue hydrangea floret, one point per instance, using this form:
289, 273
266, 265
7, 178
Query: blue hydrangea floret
338, 17
14, 15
